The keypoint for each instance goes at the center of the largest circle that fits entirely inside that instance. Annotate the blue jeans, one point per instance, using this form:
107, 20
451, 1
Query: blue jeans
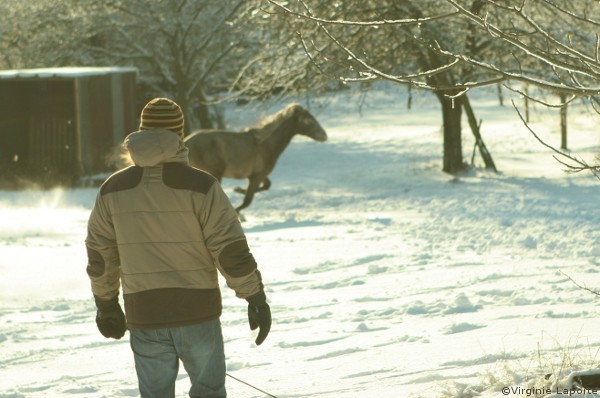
200, 347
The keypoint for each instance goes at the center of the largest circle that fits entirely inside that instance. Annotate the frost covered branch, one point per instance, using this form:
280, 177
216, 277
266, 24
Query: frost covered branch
371, 72
541, 102
404, 22
558, 55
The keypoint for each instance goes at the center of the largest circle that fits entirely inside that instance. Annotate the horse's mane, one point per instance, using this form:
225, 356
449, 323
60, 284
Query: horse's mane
271, 123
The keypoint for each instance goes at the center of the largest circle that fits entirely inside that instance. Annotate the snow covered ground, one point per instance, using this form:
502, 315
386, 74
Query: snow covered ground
386, 277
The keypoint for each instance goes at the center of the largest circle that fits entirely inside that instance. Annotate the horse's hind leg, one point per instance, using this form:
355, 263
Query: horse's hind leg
266, 184
253, 184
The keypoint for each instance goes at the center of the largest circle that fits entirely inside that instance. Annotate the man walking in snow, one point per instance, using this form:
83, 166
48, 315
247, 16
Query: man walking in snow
161, 230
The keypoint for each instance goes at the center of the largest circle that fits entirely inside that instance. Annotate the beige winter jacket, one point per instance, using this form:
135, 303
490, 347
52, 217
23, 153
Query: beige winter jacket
162, 229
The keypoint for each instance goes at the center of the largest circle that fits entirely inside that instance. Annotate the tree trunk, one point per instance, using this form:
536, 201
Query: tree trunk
451, 113
526, 98
500, 94
563, 121
202, 113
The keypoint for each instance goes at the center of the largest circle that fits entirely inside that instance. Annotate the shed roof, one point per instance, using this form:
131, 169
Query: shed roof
65, 72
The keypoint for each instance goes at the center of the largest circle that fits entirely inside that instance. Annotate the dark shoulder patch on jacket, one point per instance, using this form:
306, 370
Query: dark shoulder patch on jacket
182, 176
120, 181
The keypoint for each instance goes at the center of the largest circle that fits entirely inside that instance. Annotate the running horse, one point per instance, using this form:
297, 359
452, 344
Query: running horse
251, 154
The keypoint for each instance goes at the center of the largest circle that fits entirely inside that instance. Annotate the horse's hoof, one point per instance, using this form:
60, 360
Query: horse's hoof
239, 190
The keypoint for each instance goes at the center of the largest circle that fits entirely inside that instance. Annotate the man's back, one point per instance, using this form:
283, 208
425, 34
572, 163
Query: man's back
161, 230
173, 228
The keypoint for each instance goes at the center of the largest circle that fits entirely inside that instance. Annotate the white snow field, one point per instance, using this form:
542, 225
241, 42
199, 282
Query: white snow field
386, 276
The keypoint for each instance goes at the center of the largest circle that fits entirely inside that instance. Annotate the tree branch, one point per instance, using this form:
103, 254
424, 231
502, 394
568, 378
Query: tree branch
403, 22
578, 166
530, 50
597, 293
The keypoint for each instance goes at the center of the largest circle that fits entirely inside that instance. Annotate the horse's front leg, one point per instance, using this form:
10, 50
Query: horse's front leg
253, 184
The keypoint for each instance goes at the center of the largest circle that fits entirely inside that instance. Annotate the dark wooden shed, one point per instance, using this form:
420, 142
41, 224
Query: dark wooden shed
64, 121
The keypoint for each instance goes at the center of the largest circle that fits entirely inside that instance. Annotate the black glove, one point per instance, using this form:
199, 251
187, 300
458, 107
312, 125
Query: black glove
259, 316
110, 318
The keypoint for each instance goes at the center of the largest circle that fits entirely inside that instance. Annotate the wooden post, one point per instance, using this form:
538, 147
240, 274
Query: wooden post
485, 154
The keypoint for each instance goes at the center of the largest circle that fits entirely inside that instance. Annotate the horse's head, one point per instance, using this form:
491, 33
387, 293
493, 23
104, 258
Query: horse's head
307, 125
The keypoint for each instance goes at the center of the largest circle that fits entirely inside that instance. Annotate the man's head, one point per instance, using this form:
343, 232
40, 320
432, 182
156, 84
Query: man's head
162, 113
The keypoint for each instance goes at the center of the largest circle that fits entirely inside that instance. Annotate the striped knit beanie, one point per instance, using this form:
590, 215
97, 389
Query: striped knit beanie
162, 113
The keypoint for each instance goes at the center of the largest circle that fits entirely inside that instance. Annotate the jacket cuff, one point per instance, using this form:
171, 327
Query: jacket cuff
258, 300
106, 305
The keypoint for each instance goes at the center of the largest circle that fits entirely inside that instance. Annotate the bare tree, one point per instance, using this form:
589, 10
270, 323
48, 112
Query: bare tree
398, 41
184, 49
450, 47
554, 46
44, 33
